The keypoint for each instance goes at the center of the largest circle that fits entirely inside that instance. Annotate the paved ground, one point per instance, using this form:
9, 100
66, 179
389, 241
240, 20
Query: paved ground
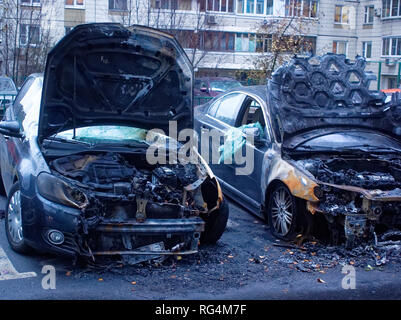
247, 263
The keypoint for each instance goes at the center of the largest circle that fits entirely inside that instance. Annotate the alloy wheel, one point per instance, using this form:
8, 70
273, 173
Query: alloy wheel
14, 218
282, 211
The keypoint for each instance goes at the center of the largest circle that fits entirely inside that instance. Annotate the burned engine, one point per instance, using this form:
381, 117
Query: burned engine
116, 185
122, 191
360, 194
365, 173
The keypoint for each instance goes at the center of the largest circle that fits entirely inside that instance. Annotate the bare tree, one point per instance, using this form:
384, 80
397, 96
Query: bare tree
26, 38
177, 17
279, 39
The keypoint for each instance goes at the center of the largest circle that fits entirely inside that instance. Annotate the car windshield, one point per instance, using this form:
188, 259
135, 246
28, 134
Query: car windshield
224, 85
105, 134
6, 84
351, 140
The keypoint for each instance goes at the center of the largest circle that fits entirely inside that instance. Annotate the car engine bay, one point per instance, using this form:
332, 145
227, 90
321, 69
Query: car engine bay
123, 191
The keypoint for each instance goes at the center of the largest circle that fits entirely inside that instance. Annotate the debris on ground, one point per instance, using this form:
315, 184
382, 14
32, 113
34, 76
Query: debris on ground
313, 256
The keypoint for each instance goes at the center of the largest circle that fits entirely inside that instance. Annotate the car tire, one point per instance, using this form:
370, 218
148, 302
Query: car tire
215, 224
282, 213
13, 221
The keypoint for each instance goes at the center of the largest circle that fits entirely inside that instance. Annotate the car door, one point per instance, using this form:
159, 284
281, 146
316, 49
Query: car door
247, 182
219, 116
10, 146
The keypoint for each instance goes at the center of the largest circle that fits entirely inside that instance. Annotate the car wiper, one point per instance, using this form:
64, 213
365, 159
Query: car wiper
72, 141
131, 144
372, 148
363, 148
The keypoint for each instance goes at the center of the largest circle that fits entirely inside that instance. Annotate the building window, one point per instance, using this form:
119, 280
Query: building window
263, 44
29, 35
369, 14
392, 83
250, 6
166, 4
217, 41
255, 6
118, 5
341, 14
391, 46
269, 7
391, 8
74, 3
30, 2
297, 8
243, 42
218, 5
367, 49
340, 47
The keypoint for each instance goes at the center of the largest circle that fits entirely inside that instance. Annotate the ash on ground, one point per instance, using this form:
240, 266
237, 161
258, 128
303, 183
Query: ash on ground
313, 256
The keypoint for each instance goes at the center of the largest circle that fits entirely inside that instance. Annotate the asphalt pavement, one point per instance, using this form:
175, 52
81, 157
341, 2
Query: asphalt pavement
247, 263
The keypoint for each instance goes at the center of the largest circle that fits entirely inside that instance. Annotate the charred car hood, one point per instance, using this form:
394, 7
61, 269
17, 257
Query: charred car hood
106, 74
329, 91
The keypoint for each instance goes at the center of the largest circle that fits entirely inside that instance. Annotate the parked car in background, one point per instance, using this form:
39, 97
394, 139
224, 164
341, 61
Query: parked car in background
73, 149
324, 146
209, 87
8, 91
390, 92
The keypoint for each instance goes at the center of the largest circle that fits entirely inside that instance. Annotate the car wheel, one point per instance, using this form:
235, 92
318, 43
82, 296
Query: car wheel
282, 213
215, 225
13, 223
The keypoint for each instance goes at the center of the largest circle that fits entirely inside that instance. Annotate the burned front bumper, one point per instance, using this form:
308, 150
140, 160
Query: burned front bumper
180, 236
358, 210
84, 237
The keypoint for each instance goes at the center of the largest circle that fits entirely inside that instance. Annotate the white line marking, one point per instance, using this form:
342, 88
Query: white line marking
7, 270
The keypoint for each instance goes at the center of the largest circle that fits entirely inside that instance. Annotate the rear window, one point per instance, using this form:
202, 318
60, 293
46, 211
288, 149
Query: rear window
7, 84
224, 85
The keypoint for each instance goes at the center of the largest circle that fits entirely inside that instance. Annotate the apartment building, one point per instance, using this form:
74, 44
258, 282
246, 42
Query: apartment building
222, 36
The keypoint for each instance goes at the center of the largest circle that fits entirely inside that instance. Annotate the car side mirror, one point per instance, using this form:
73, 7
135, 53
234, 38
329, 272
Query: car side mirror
10, 128
204, 89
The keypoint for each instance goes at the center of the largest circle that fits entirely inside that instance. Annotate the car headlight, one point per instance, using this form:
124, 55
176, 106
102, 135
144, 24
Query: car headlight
57, 190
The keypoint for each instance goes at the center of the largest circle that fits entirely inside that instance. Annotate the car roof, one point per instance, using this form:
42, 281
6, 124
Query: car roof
216, 78
9, 79
260, 91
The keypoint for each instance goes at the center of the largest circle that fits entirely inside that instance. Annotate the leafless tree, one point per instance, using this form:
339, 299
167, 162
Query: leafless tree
280, 39
26, 38
187, 24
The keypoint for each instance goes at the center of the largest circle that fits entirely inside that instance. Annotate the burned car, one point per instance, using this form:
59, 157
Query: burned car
326, 150
73, 151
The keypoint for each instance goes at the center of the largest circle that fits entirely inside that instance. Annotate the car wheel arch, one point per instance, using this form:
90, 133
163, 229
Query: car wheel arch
274, 183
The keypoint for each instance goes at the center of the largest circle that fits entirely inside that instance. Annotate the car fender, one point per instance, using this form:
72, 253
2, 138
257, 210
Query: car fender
299, 183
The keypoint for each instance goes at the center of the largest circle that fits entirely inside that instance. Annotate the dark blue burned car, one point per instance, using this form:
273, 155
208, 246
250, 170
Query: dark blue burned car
73, 151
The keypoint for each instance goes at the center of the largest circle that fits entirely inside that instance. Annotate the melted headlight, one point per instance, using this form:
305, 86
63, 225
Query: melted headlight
57, 190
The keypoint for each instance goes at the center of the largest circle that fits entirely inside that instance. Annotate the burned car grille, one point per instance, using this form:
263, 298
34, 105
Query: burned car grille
131, 204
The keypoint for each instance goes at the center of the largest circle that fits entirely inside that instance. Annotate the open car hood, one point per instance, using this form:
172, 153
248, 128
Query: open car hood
106, 74
327, 92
